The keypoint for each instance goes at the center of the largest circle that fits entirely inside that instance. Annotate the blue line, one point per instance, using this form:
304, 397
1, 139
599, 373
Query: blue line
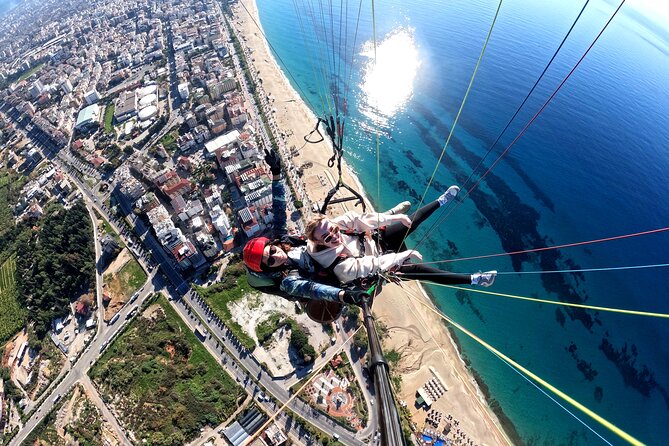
586, 270
554, 400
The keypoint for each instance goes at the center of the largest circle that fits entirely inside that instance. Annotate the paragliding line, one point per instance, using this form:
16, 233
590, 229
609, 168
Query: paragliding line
527, 96
413, 295
553, 302
462, 106
548, 248
538, 112
556, 401
601, 420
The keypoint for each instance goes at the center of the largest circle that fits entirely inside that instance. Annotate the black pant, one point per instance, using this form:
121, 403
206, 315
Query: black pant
418, 271
395, 233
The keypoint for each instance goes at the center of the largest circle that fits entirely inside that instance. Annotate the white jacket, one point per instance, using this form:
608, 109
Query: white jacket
358, 263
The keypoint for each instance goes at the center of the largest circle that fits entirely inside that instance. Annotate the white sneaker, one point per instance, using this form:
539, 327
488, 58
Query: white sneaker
449, 195
401, 208
484, 279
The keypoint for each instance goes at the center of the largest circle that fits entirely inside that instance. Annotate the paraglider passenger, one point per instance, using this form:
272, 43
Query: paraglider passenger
356, 246
281, 265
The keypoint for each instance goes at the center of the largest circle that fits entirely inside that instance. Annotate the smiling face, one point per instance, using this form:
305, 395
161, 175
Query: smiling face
273, 256
327, 234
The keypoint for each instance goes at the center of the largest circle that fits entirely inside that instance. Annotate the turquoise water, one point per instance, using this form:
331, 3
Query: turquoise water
593, 165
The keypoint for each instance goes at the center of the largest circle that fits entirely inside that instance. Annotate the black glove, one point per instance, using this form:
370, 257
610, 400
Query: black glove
274, 161
356, 297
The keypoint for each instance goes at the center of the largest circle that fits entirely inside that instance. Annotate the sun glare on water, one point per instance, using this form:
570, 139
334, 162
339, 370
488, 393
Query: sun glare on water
388, 79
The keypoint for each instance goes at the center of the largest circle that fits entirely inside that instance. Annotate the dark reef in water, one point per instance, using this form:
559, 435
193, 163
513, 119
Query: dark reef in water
536, 190
463, 298
514, 222
392, 168
517, 226
453, 248
473, 128
559, 317
403, 186
439, 186
434, 145
641, 379
638, 378
599, 394
446, 252
584, 367
411, 157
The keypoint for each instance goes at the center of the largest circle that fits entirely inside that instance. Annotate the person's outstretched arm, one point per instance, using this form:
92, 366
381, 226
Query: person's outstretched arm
352, 268
297, 286
352, 221
278, 194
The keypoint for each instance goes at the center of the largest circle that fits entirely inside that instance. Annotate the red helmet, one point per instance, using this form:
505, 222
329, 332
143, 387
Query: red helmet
253, 252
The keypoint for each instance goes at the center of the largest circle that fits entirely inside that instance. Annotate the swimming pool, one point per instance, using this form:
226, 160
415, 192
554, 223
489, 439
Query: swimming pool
427, 438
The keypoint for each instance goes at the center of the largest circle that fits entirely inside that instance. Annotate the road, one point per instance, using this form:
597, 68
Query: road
366, 385
177, 287
94, 396
193, 308
80, 368
98, 273
220, 337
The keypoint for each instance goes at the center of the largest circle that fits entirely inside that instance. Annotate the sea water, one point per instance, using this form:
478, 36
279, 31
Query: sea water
593, 165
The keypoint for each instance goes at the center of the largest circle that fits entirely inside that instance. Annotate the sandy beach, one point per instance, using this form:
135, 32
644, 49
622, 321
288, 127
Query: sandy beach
415, 332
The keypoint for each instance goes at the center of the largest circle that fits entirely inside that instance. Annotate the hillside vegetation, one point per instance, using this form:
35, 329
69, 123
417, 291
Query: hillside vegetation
55, 263
163, 381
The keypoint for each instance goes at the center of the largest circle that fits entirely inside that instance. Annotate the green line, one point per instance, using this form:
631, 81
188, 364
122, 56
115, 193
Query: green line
462, 105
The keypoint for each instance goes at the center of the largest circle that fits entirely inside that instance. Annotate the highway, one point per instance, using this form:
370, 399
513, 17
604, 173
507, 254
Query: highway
177, 287
82, 365
192, 309
196, 309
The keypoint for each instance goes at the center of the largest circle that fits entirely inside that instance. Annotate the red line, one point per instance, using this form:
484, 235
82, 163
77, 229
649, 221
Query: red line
546, 248
547, 101
469, 191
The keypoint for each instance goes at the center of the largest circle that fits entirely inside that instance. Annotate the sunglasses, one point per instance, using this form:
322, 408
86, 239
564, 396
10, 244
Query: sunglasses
271, 261
332, 233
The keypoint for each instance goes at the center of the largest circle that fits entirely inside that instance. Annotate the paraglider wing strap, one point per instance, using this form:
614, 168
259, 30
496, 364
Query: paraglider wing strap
316, 130
356, 196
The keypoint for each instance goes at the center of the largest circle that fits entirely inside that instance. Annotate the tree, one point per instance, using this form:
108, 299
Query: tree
55, 262
360, 341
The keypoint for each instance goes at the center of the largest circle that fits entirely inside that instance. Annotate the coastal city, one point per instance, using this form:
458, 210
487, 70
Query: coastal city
132, 173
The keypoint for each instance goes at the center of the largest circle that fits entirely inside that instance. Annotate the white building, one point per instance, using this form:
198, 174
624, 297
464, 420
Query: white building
222, 141
92, 96
183, 91
88, 116
147, 112
220, 221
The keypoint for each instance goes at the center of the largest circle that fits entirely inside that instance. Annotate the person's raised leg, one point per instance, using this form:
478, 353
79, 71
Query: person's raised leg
395, 233
418, 271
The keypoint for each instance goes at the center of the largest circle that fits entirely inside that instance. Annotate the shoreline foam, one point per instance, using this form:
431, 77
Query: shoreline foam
409, 332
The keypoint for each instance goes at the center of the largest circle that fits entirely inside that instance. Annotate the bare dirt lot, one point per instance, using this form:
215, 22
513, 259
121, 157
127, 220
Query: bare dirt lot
251, 310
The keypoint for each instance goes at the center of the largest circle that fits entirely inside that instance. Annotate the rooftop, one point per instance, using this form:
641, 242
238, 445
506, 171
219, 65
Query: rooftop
88, 115
222, 141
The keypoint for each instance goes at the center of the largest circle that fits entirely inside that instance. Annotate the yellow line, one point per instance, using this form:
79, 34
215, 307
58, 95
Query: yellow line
552, 302
497, 431
601, 420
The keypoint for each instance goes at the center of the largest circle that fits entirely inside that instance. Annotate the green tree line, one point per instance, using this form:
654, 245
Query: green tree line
55, 262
